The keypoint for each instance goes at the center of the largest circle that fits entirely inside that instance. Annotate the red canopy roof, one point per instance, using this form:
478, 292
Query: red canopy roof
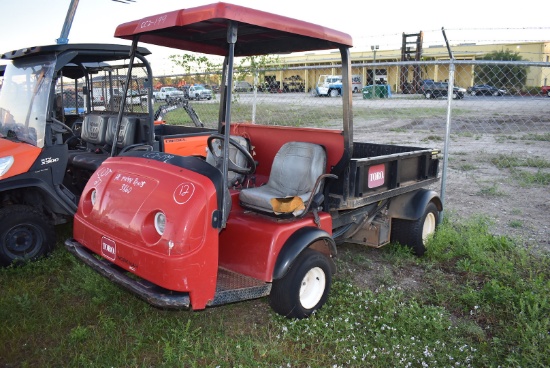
204, 29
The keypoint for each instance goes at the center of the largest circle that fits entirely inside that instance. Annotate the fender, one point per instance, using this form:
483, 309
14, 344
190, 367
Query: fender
296, 243
57, 195
410, 206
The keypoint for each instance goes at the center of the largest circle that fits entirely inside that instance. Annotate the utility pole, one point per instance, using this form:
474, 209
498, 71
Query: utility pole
64, 37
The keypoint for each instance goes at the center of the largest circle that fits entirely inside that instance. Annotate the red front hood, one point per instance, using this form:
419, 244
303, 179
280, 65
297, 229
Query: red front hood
24, 155
130, 191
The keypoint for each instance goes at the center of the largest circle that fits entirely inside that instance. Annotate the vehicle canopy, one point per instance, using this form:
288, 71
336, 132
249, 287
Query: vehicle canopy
234, 31
26, 101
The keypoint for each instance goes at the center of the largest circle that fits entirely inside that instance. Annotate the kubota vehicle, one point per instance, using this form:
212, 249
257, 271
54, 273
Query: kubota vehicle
264, 212
52, 136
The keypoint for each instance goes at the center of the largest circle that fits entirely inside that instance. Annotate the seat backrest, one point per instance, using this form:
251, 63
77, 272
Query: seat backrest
296, 167
295, 170
234, 155
126, 134
94, 128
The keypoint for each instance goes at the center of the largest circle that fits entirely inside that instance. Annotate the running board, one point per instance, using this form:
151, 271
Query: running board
234, 287
231, 286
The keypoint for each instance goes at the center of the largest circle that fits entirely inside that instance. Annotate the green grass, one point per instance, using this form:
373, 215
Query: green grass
474, 300
492, 191
537, 137
523, 176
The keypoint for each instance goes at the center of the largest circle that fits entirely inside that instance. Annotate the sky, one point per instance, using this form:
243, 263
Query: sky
39, 22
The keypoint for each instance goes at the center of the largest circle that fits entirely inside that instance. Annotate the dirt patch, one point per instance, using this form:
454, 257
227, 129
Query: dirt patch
495, 169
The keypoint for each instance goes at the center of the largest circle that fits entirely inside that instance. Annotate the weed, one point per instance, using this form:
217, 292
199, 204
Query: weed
483, 301
467, 167
537, 137
516, 224
491, 191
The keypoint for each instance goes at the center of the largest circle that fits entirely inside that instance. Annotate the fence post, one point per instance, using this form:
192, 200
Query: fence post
450, 92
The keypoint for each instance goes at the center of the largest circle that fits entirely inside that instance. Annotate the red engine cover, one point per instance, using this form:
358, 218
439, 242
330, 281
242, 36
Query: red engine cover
116, 219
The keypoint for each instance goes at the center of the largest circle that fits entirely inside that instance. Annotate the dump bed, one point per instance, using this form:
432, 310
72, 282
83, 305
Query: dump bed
380, 171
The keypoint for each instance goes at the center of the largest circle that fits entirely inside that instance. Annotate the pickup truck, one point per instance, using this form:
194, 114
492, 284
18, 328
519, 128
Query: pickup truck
265, 212
168, 94
328, 85
199, 93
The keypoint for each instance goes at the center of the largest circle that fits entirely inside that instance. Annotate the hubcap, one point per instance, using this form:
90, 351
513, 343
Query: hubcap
23, 241
429, 226
312, 288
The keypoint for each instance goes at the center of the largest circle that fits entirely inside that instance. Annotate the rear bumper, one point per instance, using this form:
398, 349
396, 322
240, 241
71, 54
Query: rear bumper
151, 293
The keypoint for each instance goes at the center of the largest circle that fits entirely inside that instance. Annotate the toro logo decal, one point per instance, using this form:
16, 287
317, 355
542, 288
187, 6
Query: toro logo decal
376, 175
108, 248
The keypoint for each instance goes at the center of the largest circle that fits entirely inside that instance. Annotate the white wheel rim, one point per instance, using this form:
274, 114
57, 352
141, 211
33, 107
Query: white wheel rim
312, 287
429, 226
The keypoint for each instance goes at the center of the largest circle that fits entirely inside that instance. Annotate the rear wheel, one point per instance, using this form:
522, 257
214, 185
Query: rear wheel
25, 234
305, 287
415, 233
428, 95
334, 93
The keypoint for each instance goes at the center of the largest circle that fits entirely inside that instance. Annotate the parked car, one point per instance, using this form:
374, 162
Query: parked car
545, 90
133, 97
243, 86
198, 92
485, 89
426, 83
213, 87
440, 89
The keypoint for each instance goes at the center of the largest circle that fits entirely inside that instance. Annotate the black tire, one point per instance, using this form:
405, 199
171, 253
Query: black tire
414, 233
428, 95
25, 234
333, 93
305, 287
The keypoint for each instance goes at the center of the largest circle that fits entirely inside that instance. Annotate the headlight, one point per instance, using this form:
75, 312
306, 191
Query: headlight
93, 197
160, 222
5, 164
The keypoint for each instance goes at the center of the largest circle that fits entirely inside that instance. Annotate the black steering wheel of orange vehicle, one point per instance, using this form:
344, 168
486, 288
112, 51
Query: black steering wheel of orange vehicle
251, 164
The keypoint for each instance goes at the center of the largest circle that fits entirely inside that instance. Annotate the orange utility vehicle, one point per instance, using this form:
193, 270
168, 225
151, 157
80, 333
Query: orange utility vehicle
185, 232
56, 127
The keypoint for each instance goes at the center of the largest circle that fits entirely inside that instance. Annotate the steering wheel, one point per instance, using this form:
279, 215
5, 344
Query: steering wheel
137, 147
251, 164
64, 127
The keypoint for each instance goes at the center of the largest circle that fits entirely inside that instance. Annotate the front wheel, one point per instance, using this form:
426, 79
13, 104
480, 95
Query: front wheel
304, 288
25, 234
415, 233
334, 93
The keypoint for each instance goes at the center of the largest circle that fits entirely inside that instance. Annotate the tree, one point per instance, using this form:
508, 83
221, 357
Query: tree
502, 74
209, 70
257, 66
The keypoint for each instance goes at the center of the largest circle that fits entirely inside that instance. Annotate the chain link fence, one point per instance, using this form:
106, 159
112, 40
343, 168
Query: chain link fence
490, 119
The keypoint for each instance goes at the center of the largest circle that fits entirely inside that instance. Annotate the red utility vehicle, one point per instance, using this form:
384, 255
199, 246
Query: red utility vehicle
545, 90
195, 233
